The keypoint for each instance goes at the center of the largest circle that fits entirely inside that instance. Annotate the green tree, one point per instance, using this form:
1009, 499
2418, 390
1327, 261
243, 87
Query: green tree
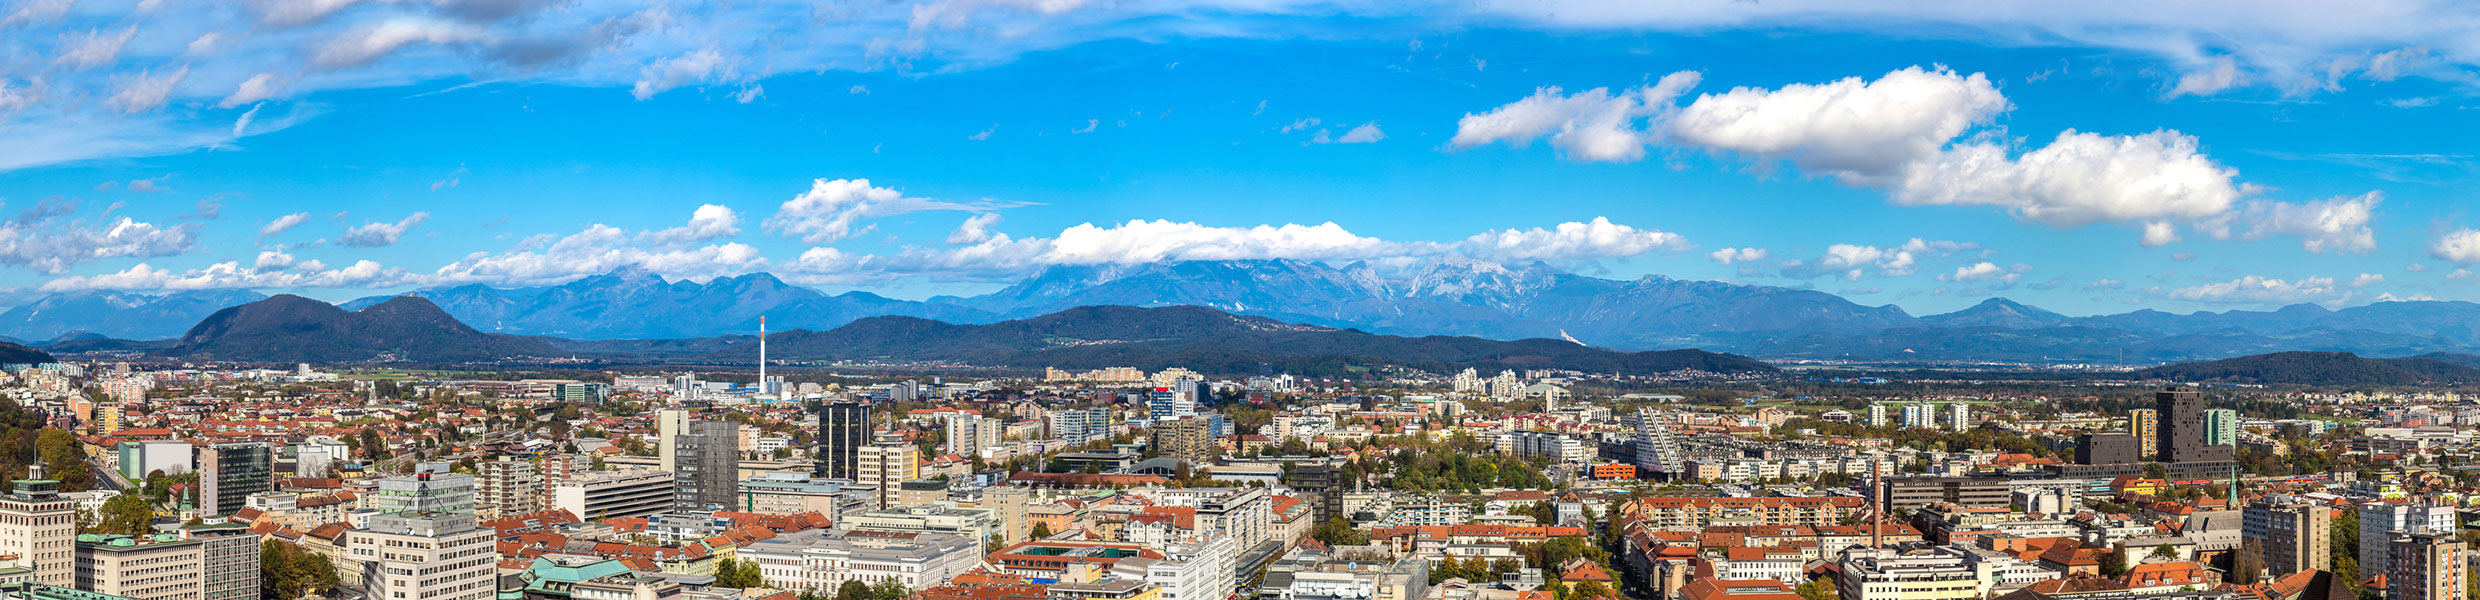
1592, 589
322, 573
889, 589
126, 514
1818, 589
853, 589
1041, 530
2115, 563
1339, 532
2165, 552
277, 579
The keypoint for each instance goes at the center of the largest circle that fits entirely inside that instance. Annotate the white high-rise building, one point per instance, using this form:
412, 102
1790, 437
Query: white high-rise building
2381, 522
965, 434
1468, 380
669, 424
423, 542
1877, 415
507, 487
40, 528
1914, 415
1959, 417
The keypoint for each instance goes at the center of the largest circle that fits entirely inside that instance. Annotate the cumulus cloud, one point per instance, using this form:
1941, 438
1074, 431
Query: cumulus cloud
708, 222
2255, 289
1861, 131
283, 223
48, 240
597, 249
1985, 272
974, 230
2336, 224
833, 209
1597, 239
697, 66
368, 44
1854, 261
379, 233
1737, 255
2367, 279
2462, 246
1365, 133
1592, 125
2079, 179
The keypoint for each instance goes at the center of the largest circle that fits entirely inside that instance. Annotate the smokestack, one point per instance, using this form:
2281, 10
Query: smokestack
761, 355
1877, 514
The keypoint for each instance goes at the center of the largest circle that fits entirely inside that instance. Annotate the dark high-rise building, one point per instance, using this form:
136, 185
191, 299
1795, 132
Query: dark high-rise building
1324, 483
2182, 428
2105, 449
843, 428
706, 470
229, 472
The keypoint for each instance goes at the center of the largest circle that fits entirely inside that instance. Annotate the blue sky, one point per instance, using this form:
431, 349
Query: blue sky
1913, 154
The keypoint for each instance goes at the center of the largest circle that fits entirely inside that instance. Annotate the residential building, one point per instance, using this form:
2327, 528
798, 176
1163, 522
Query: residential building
705, 466
2427, 566
599, 495
1189, 439
2183, 428
2221, 427
2145, 424
507, 486
231, 569
1080, 425
885, 466
422, 542
1932, 573
2381, 522
2292, 534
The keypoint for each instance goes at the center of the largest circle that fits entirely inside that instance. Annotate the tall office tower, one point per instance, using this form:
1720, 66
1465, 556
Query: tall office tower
1190, 439
843, 428
2182, 428
40, 528
1959, 417
508, 487
2292, 534
2145, 424
706, 472
2381, 522
964, 434
669, 423
231, 569
2221, 427
886, 464
229, 472
1656, 450
422, 541
1877, 414
2426, 566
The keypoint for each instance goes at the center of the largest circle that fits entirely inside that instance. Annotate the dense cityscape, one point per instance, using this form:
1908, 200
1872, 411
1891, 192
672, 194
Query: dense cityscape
163, 482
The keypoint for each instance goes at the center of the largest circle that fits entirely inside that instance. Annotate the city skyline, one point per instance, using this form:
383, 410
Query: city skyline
2086, 160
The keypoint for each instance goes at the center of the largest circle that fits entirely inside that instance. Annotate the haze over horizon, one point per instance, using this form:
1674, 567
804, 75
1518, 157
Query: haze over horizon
2088, 160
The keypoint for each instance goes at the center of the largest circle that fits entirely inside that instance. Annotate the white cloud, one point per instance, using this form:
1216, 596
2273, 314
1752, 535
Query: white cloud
1854, 261
708, 222
974, 230
2461, 246
2255, 289
1985, 271
2337, 224
376, 234
368, 44
1366, 133
597, 249
1737, 255
984, 134
258, 87
832, 209
49, 241
283, 223
2104, 285
2079, 179
1300, 125
2159, 233
94, 48
273, 259
1592, 125
1090, 124
1596, 239
2213, 77
2368, 279
1863, 132
694, 67
205, 43
146, 91
231, 275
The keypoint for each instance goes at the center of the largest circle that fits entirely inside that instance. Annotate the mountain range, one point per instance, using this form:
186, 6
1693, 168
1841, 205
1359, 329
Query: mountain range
1448, 296
412, 329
